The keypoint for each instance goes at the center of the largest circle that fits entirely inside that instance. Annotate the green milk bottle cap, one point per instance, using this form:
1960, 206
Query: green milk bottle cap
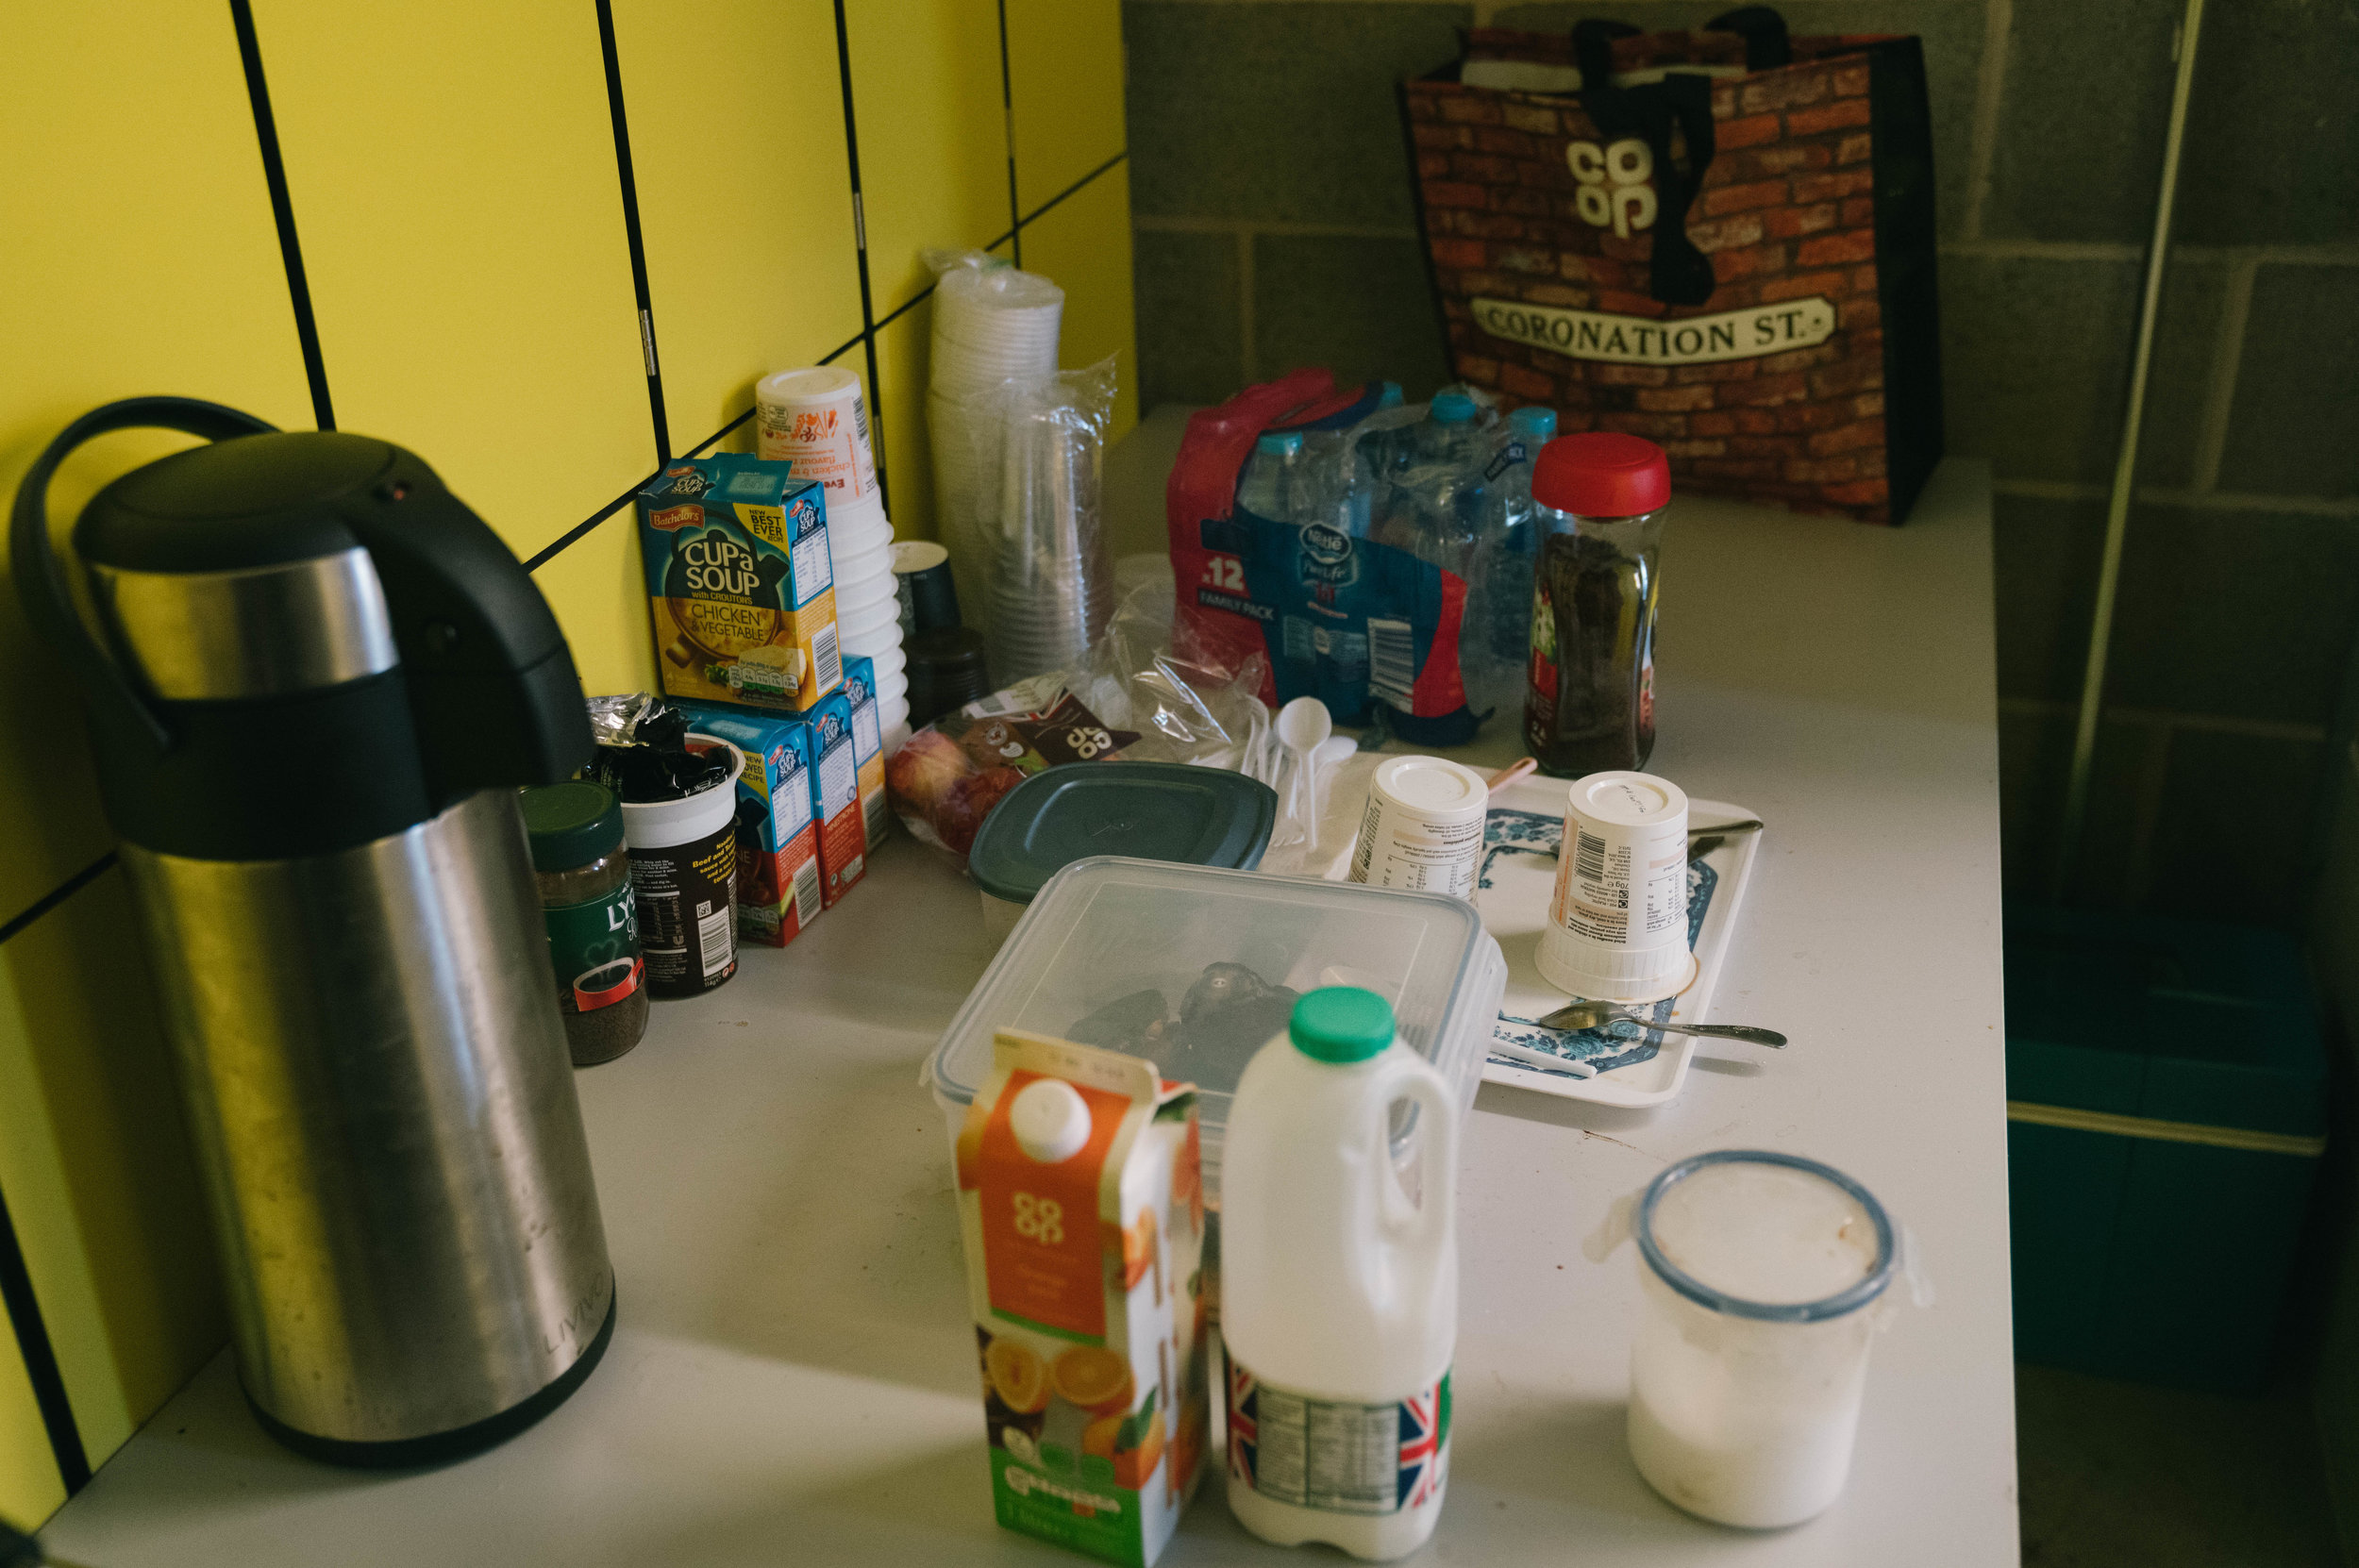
1340, 1024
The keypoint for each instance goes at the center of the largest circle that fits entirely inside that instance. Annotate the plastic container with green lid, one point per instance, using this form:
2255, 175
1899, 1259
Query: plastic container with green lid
1148, 810
583, 869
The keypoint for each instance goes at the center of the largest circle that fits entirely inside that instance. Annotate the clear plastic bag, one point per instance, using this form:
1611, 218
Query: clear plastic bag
1129, 697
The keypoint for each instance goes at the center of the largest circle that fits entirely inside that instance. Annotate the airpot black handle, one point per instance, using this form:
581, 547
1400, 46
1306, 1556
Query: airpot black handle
41, 578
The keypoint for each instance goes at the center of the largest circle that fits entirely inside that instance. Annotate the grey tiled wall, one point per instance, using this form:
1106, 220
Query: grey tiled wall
1273, 227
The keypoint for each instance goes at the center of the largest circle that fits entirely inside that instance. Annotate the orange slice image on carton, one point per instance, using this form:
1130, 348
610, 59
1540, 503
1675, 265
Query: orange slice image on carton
1140, 1253
1017, 1376
1095, 1379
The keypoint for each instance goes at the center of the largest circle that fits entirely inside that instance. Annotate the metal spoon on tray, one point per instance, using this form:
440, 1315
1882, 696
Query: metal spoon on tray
1596, 1015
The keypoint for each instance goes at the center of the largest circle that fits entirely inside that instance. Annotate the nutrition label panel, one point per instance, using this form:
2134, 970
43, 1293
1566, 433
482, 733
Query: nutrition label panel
1344, 1458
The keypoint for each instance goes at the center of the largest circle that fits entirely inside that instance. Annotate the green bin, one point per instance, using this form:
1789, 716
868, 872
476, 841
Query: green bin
2166, 1113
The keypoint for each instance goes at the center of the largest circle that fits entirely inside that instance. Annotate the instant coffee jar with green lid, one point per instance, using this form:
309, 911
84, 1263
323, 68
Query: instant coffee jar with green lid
583, 870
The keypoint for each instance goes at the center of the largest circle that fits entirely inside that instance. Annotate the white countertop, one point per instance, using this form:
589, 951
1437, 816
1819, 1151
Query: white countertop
792, 1377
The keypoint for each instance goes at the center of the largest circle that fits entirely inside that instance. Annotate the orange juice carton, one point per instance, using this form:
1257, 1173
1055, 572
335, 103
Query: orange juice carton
1082, 1201
835, 795
859, 689
778, 835
740, 583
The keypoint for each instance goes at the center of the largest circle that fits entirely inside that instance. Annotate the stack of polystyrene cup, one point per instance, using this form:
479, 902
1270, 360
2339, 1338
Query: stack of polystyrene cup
816, 419
991, 327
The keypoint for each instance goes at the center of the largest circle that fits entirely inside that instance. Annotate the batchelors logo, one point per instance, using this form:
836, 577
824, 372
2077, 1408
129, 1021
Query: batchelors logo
672, 518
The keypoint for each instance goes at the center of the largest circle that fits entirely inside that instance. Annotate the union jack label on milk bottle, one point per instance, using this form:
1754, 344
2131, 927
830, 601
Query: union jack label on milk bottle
1338, 1457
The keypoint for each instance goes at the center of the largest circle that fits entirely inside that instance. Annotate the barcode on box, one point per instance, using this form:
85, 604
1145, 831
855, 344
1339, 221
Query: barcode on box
1589, 857
827, 666
806, 893
875, 817
1369, 821
1392, 661
713, 939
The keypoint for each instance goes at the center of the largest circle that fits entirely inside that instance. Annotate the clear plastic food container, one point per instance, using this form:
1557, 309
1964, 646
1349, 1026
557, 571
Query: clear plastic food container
1195, 969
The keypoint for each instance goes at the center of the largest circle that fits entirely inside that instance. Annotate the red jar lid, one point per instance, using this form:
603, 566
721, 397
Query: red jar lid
1601, 473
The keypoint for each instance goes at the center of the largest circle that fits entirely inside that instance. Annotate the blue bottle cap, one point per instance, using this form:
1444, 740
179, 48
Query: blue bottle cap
1533, 423
1283, 443
1452, 408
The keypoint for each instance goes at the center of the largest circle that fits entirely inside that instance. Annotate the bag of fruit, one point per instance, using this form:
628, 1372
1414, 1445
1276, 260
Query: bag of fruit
1128, 698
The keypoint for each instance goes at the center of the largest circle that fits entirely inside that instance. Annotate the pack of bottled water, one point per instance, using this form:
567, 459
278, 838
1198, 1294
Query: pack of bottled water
1379, 552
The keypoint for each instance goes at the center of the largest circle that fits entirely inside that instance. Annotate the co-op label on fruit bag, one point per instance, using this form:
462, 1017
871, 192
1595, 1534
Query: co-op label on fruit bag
1085, 1279
1335, 1457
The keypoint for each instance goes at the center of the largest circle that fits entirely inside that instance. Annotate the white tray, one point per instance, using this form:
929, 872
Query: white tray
1519, 874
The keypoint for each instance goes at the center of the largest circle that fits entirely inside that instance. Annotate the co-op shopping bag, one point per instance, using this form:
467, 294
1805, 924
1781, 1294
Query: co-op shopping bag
1721, 241
1331, 613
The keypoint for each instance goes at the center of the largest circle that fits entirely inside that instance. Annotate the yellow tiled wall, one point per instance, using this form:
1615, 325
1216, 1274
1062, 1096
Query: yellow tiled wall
458, 211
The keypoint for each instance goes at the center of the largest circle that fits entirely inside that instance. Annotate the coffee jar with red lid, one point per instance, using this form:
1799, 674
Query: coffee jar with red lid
1600, 498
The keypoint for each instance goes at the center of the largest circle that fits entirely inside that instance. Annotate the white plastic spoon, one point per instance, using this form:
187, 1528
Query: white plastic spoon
1303, 726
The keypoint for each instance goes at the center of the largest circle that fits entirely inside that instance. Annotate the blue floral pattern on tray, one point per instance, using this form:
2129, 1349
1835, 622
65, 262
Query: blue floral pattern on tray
1512, 833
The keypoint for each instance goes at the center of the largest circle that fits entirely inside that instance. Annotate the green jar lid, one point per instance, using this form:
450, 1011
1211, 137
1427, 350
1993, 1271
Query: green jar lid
571, 824
1340, 1024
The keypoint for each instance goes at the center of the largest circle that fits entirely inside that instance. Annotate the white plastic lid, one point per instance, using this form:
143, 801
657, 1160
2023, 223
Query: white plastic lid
917, 555
1634, 800
1766, 1235
1434, 786
814, 385
1050, 1120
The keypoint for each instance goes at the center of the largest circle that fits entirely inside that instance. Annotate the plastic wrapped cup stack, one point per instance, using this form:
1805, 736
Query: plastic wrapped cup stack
993, 325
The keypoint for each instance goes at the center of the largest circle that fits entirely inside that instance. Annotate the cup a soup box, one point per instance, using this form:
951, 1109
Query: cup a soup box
859, 689
1082, 1203
777, 837
740, 583
835, 795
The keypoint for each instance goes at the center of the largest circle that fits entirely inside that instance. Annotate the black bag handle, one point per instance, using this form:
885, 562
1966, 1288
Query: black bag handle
40, 579
1766, 45
1677, 274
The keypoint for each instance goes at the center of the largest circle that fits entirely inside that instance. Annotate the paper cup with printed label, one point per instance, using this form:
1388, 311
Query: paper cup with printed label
1423, 826
817, 420
1617, 925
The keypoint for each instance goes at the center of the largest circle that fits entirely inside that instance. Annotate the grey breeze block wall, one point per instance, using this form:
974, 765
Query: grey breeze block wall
1271, 198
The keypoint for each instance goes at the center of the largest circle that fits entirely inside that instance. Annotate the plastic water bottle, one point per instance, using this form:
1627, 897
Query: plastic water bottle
1443, 484
1509, 545
1274, 483
1339, 1295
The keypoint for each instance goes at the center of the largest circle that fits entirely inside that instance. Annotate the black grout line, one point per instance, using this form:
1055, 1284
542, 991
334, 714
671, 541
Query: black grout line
1074, 189
1007, 110
582, 529
868, 323
58, 895
921, 296
40, 1360
631, 232
868, 338
575, 534
282, 213
701, 447
40, 1357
